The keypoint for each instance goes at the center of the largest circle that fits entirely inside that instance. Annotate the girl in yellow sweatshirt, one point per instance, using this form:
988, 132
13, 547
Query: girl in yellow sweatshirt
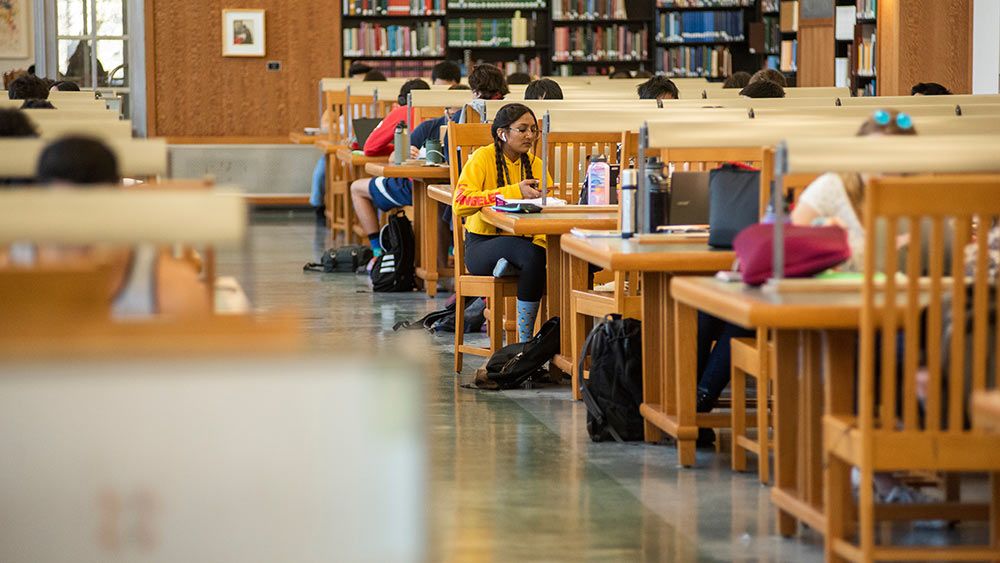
505, 168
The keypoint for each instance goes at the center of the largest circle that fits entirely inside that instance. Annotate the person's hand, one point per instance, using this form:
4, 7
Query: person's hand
414, 152
529, 189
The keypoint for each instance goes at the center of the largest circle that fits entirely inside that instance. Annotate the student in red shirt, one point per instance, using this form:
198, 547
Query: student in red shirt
379, 143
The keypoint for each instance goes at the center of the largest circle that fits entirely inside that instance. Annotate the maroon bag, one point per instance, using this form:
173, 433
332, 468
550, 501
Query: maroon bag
808, 251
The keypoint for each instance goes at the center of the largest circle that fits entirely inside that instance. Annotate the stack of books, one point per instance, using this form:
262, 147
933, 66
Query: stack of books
600, 43
375, 40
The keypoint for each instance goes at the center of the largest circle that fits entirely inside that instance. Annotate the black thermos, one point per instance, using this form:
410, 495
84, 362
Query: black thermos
657, 196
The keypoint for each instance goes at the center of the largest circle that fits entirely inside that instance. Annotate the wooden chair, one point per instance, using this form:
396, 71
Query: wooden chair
463, 139
886, 424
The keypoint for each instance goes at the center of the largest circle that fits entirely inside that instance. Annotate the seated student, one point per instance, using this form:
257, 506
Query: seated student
446, 73
384, 193
620, 74
357, 68
64, 86
737, 79
763, 89
518, 78
658, 88
28, 86
488, 82
642, 74
771, 74
543, 89
505, 168
374, 76
148, 281
15, 123
929, 89
35, 103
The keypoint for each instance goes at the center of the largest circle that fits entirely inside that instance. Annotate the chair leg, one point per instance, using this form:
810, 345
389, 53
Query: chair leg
866, 513
510, 320
576, 346
496, 330
763, 426
995, 510
835, 493
459, 329
738, 417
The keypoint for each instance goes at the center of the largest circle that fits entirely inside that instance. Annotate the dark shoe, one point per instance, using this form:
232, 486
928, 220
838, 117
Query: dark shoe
706, 438
706, 402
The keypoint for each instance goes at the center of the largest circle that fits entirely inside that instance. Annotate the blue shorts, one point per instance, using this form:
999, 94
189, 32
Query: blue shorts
390, 192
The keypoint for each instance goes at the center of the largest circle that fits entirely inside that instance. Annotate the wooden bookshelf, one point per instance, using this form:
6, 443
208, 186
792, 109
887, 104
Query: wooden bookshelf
707, 38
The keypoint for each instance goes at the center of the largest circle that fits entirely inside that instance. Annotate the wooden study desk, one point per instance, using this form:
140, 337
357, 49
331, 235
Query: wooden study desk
427, 215
825, 324
555, 222
657, 262
305, 139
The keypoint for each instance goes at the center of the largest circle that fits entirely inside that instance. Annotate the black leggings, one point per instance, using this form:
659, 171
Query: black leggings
483, 251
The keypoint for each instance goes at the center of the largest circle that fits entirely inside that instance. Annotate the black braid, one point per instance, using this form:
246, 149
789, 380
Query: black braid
502, 174
526, 166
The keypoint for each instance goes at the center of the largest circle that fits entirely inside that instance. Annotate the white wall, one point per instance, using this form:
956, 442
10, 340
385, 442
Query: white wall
986, 47
16, 64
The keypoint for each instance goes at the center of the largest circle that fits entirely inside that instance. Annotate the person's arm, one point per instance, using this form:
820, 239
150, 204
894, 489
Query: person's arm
179, 292
472, 193
804, 214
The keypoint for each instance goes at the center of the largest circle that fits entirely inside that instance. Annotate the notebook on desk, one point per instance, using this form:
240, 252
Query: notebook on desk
363, 127
689, 201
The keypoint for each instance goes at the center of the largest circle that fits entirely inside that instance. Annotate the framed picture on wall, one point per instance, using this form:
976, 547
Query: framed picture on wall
243, 33
13, 29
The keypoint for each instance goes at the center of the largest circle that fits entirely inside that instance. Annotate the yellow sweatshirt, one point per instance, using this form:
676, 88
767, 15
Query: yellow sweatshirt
479, 187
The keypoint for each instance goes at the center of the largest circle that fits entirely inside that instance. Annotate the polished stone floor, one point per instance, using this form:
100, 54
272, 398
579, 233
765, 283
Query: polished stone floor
513, 475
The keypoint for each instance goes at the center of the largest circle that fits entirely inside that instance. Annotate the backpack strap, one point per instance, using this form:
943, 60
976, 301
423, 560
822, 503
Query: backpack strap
588, 399
313, 267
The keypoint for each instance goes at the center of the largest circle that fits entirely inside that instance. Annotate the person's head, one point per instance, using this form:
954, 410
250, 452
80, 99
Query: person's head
515, 132
357, 68
543, 89
887, 122
15, 123
64, 86
488, 82
27, 86
929, 89
519, 78
769, 74
658, 88
762, 89
643, 74
35, 103
409, 86
738, 79
374, 76
446, 72
621, 74
78, 160
448, 112
31, 69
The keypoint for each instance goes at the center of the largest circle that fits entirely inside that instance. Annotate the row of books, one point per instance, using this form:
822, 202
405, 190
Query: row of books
496, 4
769, 6
866, 56
408, 69
772, 35
868, 89
532, 66
600, 43
588, 10
682, 27
704, 3
706, 60
374, 40
867, 9
789, 56
501, 32
393, 7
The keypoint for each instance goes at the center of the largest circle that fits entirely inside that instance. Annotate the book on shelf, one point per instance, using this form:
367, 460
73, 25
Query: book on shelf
392, 7
403, 68
868, 89
705, 61
594, 42
845, 20
772, 35
587, 10
770, 6
841, 72
866, 56
695, 27
773, 62
496, 5
867, 9
789, 16
517, 31
704, 3
376, 40
789, 55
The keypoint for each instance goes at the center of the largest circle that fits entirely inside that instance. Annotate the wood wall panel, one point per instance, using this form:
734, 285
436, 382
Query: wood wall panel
924, 41
816, 52
196, 92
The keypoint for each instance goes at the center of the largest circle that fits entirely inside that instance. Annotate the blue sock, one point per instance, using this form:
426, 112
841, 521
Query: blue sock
526, 313
376, 245
504, 268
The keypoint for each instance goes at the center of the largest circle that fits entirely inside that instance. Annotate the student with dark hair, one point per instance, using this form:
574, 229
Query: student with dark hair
543, 89
929, 89
446, 72
357, 68
15, 123
771, 74
658, 88
64, 86
505, 168
488, 82
519, 78
763, 89
620, 74
642, 74
78, 160
374, 76
27, 86
35, 103
737, 79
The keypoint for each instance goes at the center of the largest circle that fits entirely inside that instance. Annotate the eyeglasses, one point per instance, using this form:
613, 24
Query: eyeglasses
883, 118
524, 130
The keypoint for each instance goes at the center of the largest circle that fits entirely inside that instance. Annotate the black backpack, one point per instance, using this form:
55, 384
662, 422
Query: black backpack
513, 364
341, 259
443, 320
394, 270
614, 392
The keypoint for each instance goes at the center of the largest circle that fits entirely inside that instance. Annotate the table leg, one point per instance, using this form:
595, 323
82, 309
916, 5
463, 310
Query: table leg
421, 232
684, 377
812, 415
553, 278
652, 339
573, 333
785, 420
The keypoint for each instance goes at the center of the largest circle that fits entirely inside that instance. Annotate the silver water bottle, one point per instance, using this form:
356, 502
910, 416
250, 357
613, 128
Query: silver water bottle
401, 142
629, 183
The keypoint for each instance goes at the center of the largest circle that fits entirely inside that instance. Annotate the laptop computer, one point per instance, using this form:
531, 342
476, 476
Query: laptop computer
689, 200
363, 127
